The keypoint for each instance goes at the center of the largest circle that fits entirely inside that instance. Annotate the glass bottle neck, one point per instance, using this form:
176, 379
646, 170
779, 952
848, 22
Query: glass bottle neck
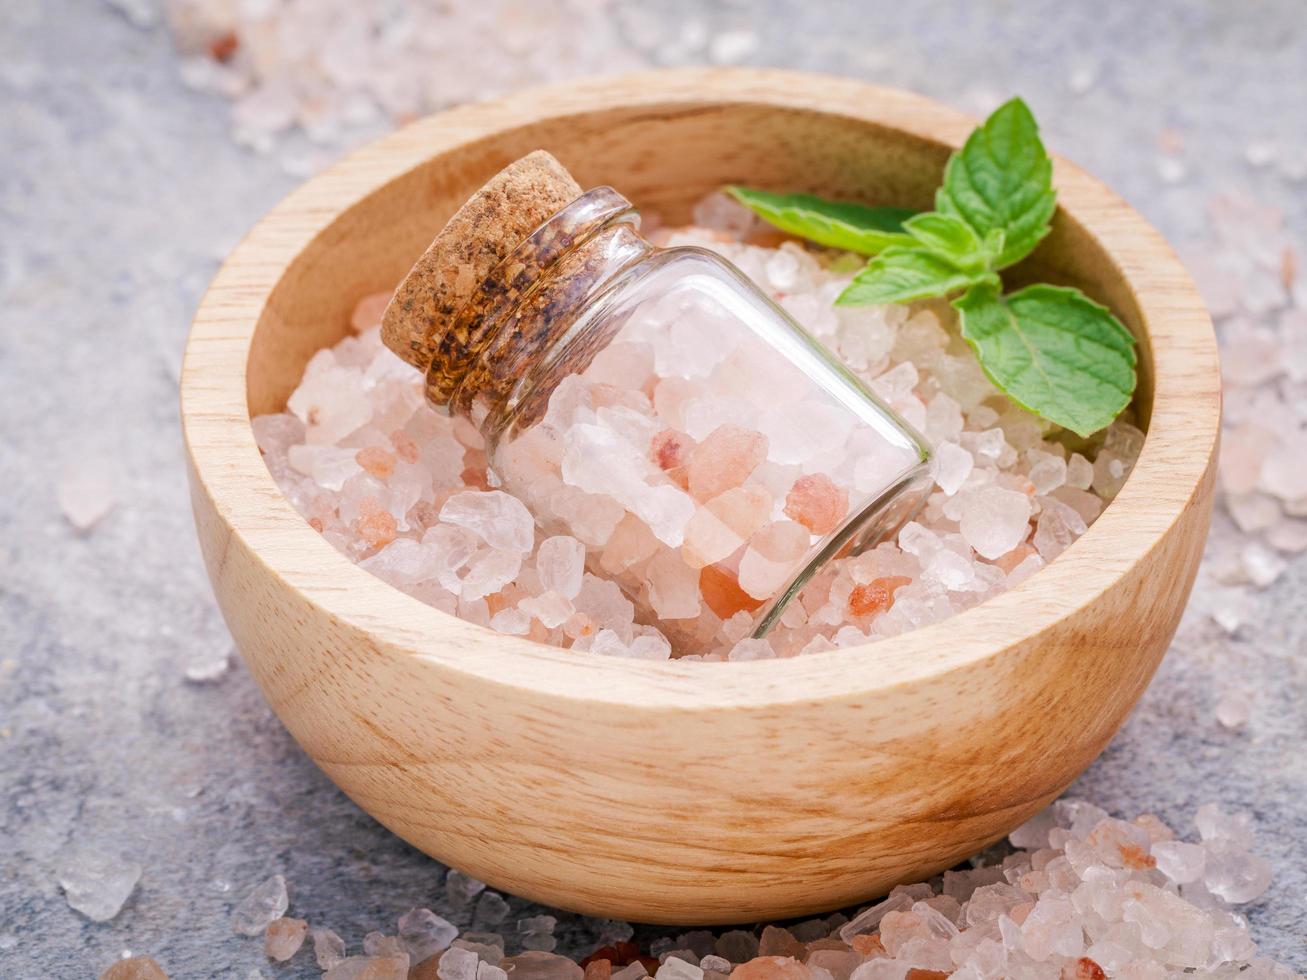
514, 333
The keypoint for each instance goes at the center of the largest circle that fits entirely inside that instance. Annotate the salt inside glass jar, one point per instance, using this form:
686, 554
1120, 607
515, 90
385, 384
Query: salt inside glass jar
652, 403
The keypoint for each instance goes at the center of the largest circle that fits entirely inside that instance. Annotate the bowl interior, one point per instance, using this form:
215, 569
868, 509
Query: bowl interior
664, 158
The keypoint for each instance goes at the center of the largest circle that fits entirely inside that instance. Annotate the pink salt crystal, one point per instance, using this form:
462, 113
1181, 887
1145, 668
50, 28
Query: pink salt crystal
328, 948
817, 502
771, 968
550, 608
630, 543
284, 937
405, 448
673, 587
779, 942
375, 525
560, 561
500, 520
1244, 450
376, 461
743, 509
708, 539
1288, 534
85, 495
725, 458
671, 449
367, 313
1284, 473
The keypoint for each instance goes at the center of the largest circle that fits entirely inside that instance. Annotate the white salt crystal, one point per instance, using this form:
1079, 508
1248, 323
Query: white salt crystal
1233, 709
1262, 565
461, 889
1079, 472
268, 901
1234, 874
560, 560
675, 968
97, 884
731, 47
1171, 169
994, 520
1179, 861
457, 964
85, 494
210, 670
1215, 824
500, 520
328, 948
488, 572
1047, 472
952, 465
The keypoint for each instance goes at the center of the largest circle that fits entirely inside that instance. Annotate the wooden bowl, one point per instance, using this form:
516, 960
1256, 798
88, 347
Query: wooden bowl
686, 792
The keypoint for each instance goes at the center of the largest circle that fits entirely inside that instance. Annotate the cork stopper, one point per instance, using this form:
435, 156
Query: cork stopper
493, 222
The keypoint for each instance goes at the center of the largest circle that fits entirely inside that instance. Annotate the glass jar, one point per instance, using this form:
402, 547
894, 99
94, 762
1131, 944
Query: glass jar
654, 404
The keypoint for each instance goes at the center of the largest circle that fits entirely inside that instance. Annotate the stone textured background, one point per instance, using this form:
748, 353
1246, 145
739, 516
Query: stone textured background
120, 190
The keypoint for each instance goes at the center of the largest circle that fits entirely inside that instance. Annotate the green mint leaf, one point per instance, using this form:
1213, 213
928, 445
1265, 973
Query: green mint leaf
1053, 351
838, 224
1002, 179
947, 236
901, 275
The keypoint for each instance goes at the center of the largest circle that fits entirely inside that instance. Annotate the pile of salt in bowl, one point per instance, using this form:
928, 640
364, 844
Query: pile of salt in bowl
408, 493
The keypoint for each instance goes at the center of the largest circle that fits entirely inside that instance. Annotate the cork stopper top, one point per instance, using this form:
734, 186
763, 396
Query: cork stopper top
493, 222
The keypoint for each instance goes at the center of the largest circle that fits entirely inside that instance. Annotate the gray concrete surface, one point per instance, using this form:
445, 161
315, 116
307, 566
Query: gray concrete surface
119, 192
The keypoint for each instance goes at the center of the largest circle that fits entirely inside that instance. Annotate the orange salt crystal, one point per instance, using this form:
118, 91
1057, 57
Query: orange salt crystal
223, 47
367, 314
1014, 557
724, 460
375, 524
918, 974
316, 524
1083, 969
875, 596
1134, 856
474, 479
869, 945
721, 591
771, 968
816, 502
376, 461
598, 970
405, 448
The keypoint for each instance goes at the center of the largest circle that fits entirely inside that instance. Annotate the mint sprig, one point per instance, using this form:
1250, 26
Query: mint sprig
1050, 349
838, 224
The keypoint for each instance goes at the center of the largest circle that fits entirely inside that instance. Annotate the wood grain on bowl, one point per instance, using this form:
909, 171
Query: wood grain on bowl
671, 792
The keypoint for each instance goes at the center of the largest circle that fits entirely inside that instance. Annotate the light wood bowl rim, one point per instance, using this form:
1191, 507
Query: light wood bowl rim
1184, 424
